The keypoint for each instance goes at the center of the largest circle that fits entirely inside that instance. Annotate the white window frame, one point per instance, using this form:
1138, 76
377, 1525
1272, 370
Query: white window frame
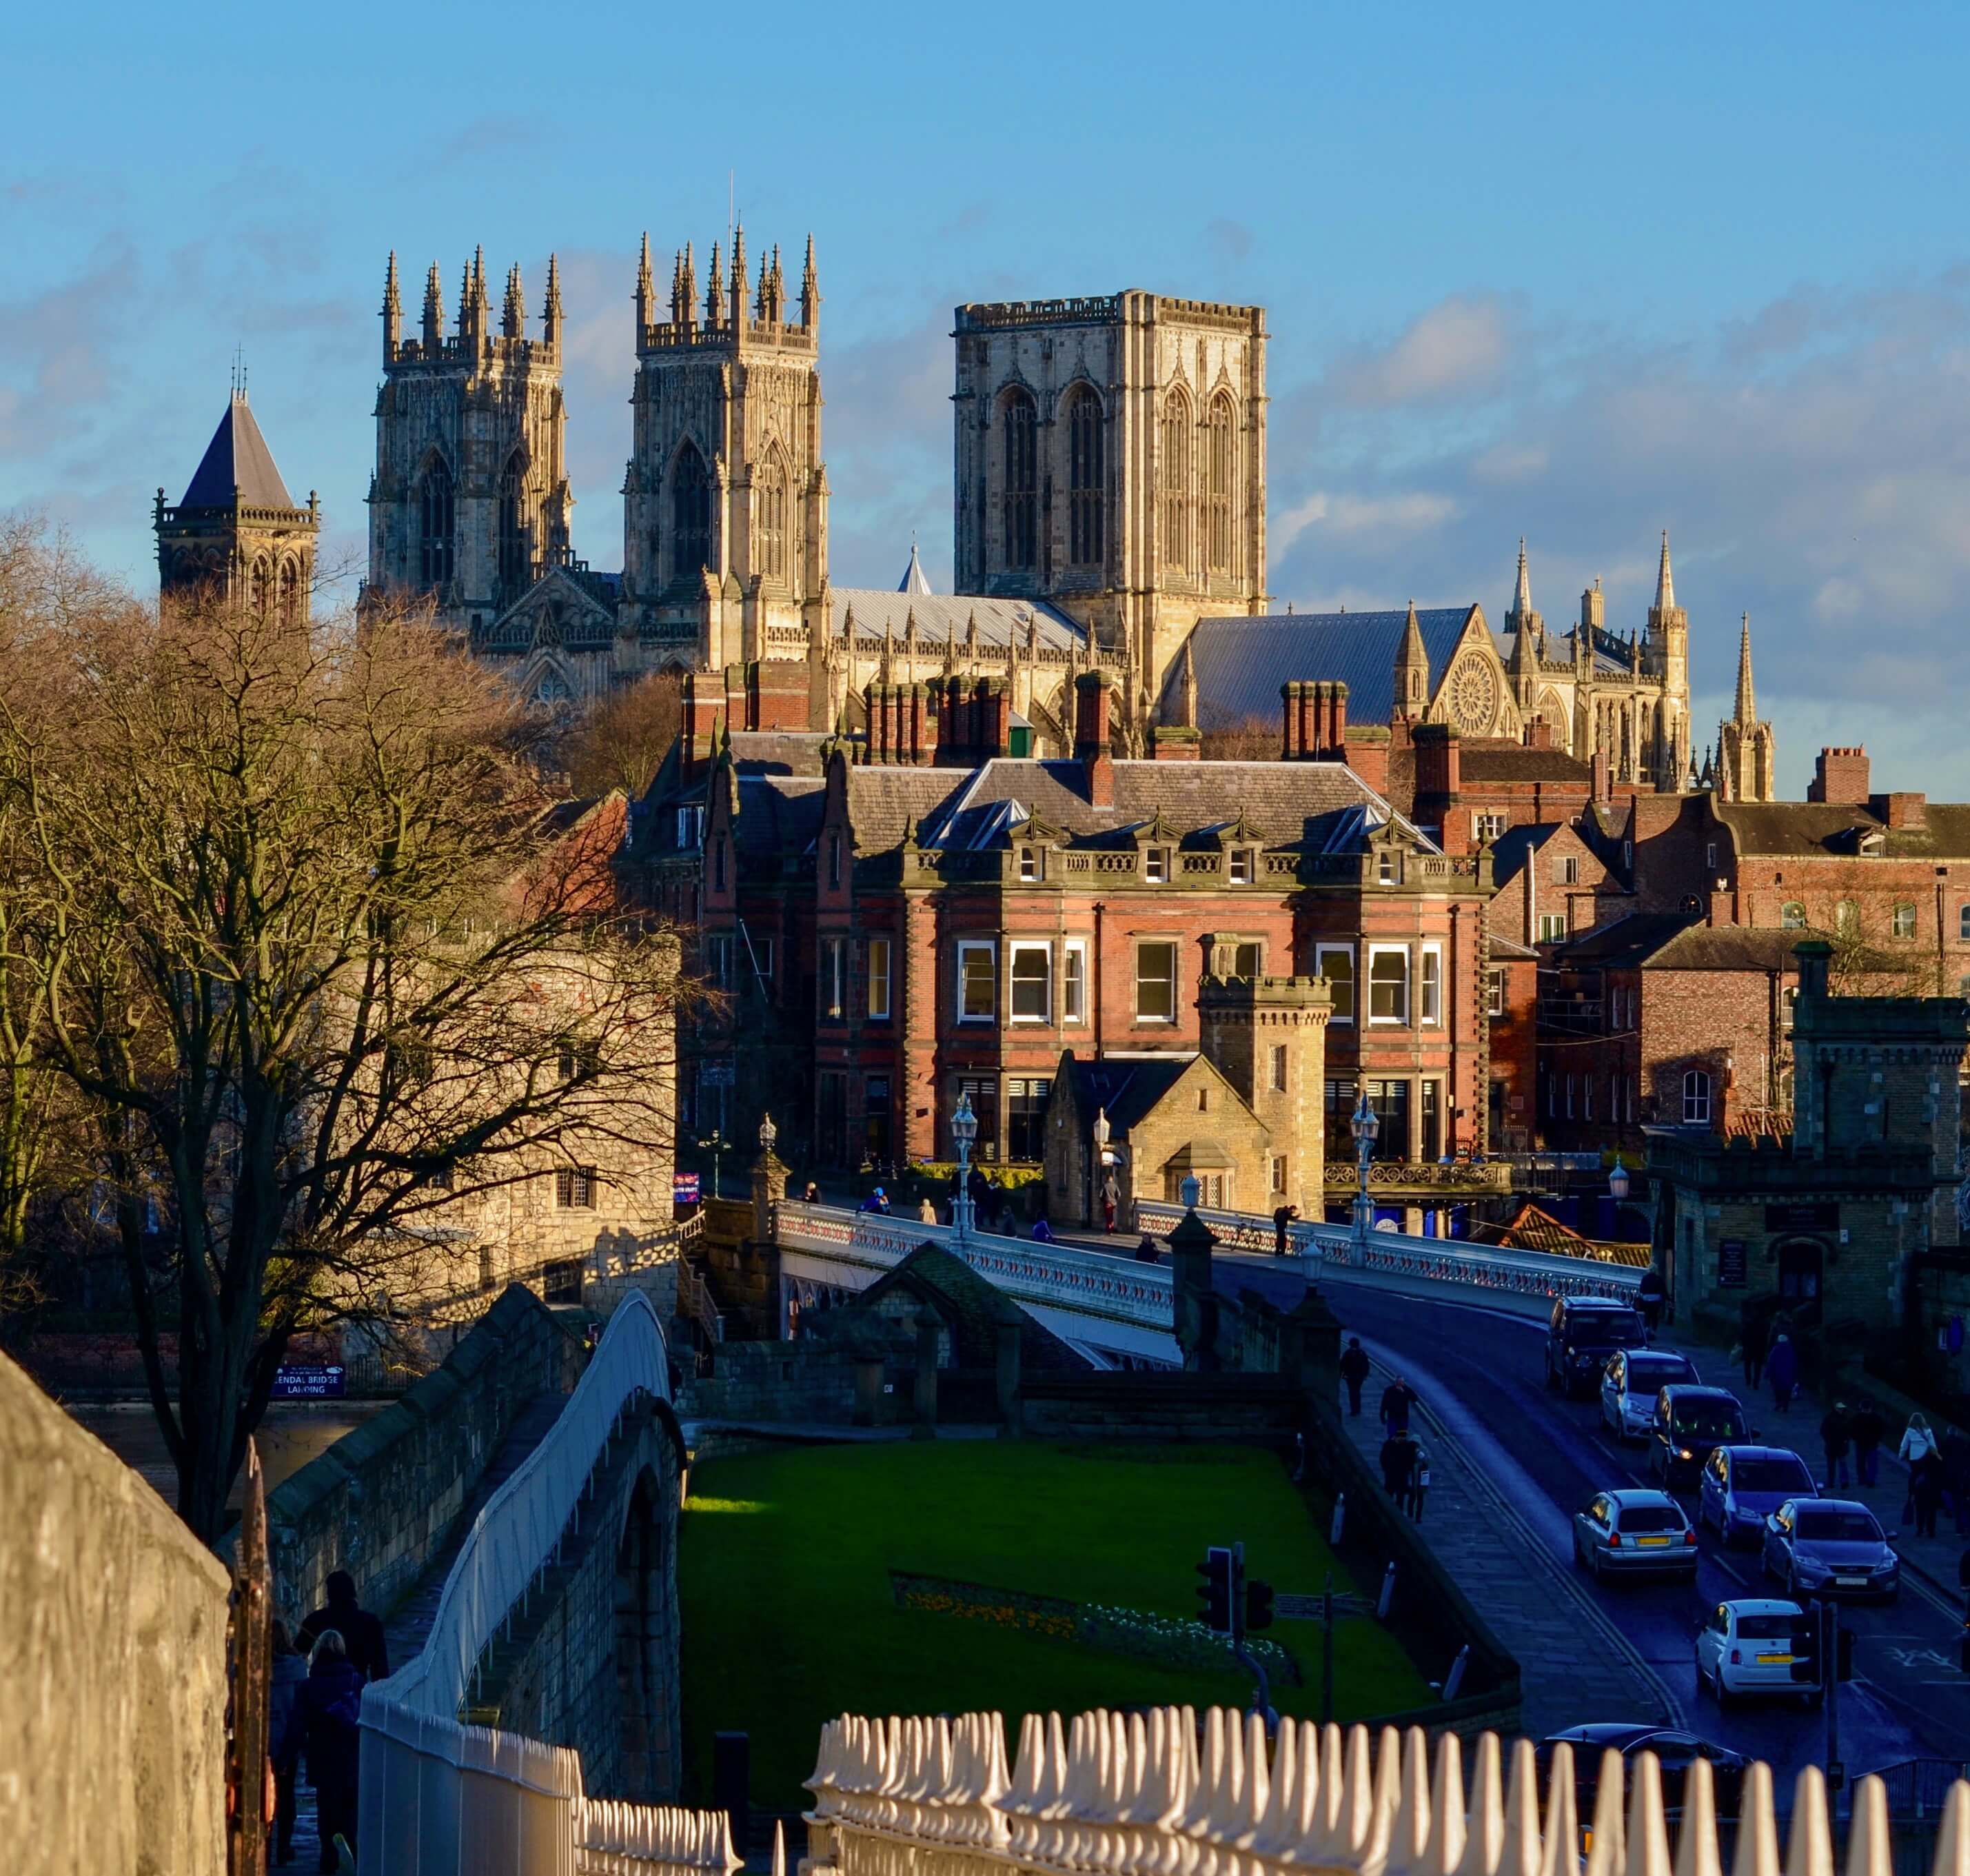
1156, 865
1698, 1094
1322, 952
1242, 871
1385, 869
1494, 989
1904, 913
1552, 927
1430, 988
1029, 863
1375, 951
1486, 826
1569, 870
1176, 965
880, 960
987, 948
1025, 948
1073, 981
718, 958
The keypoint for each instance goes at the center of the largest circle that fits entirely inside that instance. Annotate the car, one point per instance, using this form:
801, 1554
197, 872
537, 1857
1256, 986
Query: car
1631, 1532
1584, 1331
1630, 1383
1741, 1486
1675, 1751
1830, 1547
1759, 1646
1687, 1426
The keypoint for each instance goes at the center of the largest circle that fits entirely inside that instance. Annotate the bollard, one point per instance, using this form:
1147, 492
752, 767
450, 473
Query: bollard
1340, 1518
1388, 1592
1456, 1679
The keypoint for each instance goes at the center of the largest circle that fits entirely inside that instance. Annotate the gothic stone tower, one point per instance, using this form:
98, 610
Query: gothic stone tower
470, 494
1747, 750
725, 505
1110, 457
237, 531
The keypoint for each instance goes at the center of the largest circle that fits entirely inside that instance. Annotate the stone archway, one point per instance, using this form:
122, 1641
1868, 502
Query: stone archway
646, 1644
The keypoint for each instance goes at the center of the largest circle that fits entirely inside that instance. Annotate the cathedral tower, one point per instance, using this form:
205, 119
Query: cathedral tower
1668, 659
1747, 750
725, 505
237, 531
470, 495
1110, 458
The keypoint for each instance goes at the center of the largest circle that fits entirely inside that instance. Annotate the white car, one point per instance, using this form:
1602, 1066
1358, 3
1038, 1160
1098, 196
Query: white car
1761, 1645
1630, 1383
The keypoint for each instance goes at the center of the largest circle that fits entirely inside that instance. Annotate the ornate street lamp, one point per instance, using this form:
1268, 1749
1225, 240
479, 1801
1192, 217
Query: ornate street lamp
1098, 1174
768, 1134
1365, 1127
964, 1132
1190, 1190
1618, 1181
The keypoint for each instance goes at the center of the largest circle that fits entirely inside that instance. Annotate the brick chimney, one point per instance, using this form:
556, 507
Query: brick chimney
995, 719
1602, 783
703, 706
1334, 735
1090, 737
1315, 721
1439, 764
921, 724
1177, 742
1840, 776
1367, 753
1539, 733
1900, 810
778, 695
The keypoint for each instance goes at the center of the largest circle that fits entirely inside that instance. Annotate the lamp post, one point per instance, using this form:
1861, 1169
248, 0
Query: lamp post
768, 1134
963, 1131
1097, 1177
1364, 1125
1617, 1180
715, 1144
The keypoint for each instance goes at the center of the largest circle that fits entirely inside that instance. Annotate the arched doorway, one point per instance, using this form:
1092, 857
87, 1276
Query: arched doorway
1801, 1265
646, 1657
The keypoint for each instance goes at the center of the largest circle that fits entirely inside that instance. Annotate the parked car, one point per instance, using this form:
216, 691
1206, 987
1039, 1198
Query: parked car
1632, 1532
1584, 1331
1687, 1426
1830, 1547
1759, 1646
1676, 1750
1742, 1486
1630, 1383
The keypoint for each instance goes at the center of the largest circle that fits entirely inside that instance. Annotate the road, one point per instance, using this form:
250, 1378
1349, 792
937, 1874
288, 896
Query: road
1482, 1373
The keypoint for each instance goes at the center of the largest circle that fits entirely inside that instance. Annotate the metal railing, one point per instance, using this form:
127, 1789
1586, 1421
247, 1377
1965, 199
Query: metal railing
1110, 1794
442, 1799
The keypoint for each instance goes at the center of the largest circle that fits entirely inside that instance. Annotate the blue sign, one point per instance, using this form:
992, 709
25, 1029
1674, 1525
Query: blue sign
683, 1189
293, 1381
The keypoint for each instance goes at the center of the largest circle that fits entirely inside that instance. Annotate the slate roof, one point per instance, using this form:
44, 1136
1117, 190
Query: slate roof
1728, 947
237, 458
1628, 941
1240, 662
944, 616
1126, 1087
777, 814
976, 1311
883, 801
1836, 828
1513, 848
1315, 807
779, 752
1492, 760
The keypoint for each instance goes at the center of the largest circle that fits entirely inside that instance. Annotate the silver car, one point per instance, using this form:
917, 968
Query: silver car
1634, 1530
1830, 1547
1630, 1383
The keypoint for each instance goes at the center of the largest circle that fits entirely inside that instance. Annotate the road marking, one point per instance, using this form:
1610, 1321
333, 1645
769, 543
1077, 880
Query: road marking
1731, 1570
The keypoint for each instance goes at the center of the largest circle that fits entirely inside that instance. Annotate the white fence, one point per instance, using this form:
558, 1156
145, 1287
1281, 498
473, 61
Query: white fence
1141, 1795
440, 1799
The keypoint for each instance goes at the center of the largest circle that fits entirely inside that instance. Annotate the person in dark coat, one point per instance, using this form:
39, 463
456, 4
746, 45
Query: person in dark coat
1146, 1251
1397, 1398
1869, 1429
1754, 1332
1399, 1453
1926, 1489
331, 1708
1354, 1372
1782, 1371
1649, 1299
284, 1731
1418, 1476
1282, 1216
362, 1633
1836, 1435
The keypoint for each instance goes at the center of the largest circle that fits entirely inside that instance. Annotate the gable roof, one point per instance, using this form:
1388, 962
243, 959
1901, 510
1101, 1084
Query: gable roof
778, 815
1240, 662
976, 1312
1126, 1087
1836, 828
237, 460
1491, 759
1626, 942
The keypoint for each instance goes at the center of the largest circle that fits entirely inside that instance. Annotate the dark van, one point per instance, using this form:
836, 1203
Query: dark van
1585, 1331
1690, 1424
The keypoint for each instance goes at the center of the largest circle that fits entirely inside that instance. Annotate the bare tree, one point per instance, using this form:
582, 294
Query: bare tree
328, 964
620, 741
1254, 740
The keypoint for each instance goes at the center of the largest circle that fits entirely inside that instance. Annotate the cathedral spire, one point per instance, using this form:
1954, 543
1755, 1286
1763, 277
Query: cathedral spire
646, 291
434, 310
513, 314
393, 310
810, 289
1412, 688
684, 299
550, 308
1665, 579
1522, 598
1748, 708
714, 294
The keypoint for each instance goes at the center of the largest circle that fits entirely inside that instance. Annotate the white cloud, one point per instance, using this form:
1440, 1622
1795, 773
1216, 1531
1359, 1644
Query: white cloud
1456, 349
1386, 517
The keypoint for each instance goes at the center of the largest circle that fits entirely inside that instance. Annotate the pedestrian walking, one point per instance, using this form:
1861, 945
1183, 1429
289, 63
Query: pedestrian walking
926, 1212
1399, 1453
1111, 1199
285, 1733
1782, 1371
1354, 1372
331, 1706
1917, 1439
1649, 1300
1925, 1491
1397, 1398
1282, 1217
1418, 1478
1869, 1429
1836, 1435
362, 1633
1754, 1336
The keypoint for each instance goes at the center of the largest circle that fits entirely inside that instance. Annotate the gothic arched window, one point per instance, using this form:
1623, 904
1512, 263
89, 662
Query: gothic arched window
1086, 482
1022, 482
1695, 1098
1219, 468
289, 589
262, 583
1176, 480
434, 525
773, 520
516, 555
690, 514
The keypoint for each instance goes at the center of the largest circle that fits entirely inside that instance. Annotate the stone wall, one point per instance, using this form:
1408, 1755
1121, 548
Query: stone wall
1235, 1409
811, 1379
112, 1659
745, 1282
381, 1501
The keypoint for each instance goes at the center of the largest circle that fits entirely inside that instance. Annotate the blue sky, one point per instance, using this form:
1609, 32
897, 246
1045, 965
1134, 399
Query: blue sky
1565, 273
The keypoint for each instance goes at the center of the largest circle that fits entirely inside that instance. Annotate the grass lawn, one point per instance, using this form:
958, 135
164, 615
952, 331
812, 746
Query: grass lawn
789, 1618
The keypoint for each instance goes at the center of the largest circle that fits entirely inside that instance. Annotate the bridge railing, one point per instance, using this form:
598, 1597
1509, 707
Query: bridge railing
442, 1799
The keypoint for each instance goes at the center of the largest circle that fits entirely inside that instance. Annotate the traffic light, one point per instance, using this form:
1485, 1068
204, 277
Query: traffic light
1258, 1604
1215, 1592
1843, 1652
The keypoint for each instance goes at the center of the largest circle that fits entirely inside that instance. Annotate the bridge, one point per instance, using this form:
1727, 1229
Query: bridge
1121, 1311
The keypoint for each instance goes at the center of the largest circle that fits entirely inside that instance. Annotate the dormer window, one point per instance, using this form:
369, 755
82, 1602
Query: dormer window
1029, 863
1385, 868
1241, 866
1155, 865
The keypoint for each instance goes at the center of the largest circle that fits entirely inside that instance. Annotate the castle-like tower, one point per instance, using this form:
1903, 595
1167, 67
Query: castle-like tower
1747, 750
471, 496
237, 532
725, 504
1111, 459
